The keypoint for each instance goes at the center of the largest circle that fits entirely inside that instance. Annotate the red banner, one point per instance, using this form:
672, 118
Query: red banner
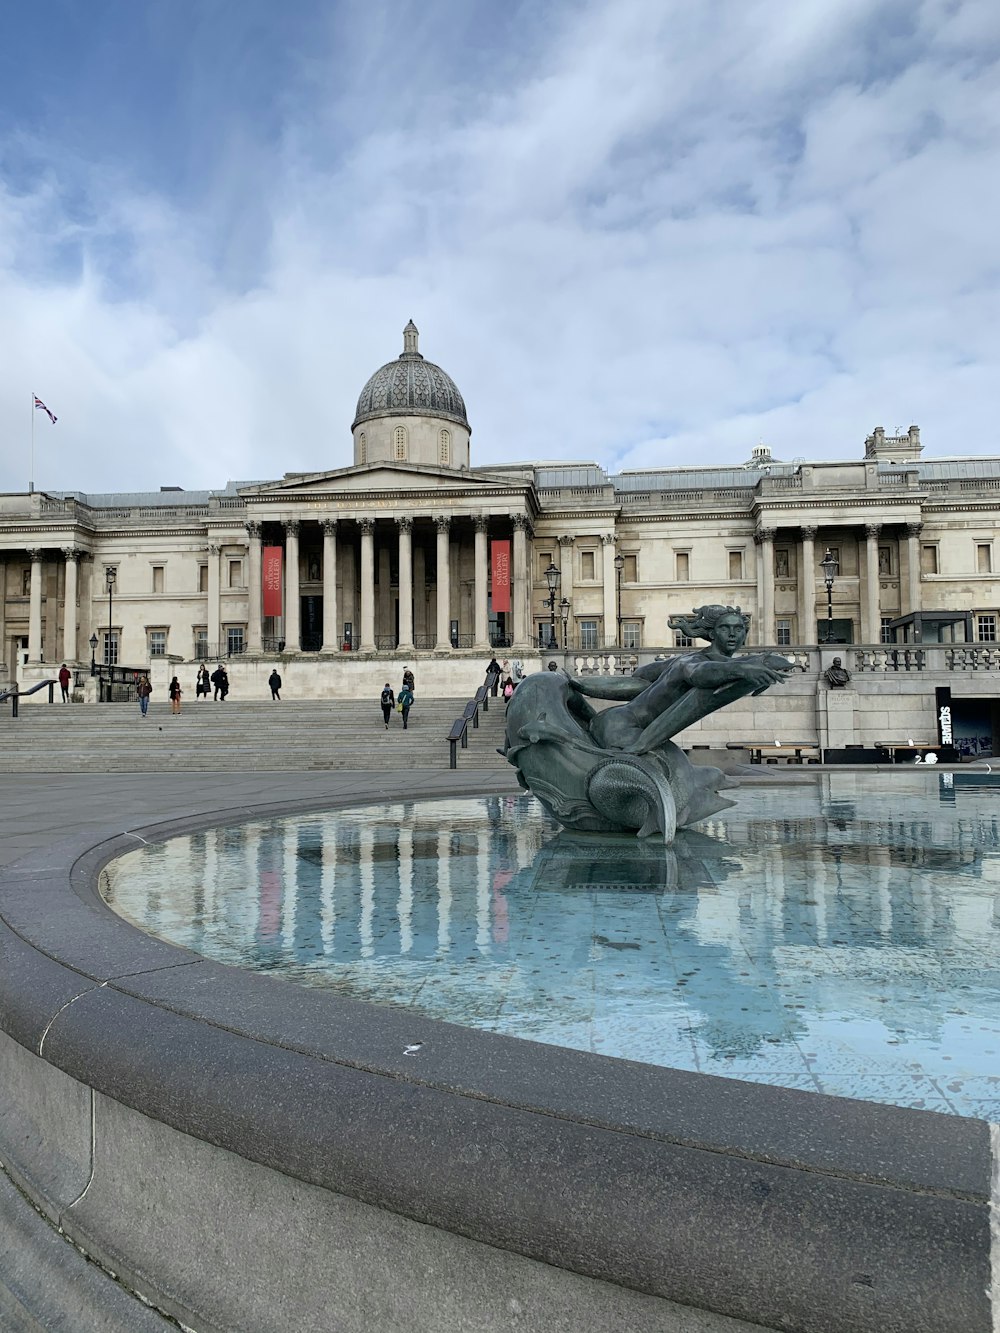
500, 556
271, 580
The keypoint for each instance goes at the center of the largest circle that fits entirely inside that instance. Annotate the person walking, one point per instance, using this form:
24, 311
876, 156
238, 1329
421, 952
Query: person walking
404, 701
144, 690
65, 677
203, 683
408, 681
221, 682
388, 704
274, 680
493, 666
174, 692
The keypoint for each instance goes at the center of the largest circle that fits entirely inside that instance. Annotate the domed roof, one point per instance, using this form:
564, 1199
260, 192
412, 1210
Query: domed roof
410, 386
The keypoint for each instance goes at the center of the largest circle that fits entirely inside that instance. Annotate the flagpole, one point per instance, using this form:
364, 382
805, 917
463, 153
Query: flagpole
31, 479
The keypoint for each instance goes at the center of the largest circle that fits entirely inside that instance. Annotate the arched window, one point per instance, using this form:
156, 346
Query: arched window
399, 444
362, 448
444, 447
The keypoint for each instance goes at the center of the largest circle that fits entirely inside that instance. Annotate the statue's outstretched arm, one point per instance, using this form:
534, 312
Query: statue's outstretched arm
607, 687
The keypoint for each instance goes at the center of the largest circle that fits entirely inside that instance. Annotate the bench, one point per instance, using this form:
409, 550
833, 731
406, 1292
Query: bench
773, 752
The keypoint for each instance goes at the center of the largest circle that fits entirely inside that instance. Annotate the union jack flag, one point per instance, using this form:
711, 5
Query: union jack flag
39, 405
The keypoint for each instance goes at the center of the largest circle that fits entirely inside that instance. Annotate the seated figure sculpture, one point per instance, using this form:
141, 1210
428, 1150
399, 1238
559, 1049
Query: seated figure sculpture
618, 770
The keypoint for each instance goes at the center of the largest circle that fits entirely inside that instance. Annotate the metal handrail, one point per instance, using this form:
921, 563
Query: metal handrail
460, 727
15, 694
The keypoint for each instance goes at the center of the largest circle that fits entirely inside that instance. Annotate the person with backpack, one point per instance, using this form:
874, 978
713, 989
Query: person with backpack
404, 702
388, 704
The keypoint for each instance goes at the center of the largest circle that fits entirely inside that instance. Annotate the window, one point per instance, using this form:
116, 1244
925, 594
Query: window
885, 634
683, 640
544, 560
157, 578
157, 643
203, 578
588, 566
984, 558
682, 565
929, 560
782, 632
362, 448
630, 570
111, 648
200, 643
444, 447
631, 634
781, 562
588, 635
234, 639
546, 639
986, 629
236, 573
399, 444
735, 564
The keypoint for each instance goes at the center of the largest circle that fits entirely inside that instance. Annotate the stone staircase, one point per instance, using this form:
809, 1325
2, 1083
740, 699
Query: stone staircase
242, 736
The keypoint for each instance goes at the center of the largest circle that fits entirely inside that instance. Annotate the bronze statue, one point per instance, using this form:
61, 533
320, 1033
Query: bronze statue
837, 675
618, 770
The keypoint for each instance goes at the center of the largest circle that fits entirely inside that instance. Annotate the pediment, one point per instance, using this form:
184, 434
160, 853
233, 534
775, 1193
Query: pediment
382, 478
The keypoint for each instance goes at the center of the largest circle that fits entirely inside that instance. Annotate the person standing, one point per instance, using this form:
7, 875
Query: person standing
408, 681
144, 690
274, 680
174, 692
405, 702
64, 679
493, 666
203, 684
388, 702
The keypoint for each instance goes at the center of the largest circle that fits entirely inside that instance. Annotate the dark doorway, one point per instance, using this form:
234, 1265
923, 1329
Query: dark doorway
312, 624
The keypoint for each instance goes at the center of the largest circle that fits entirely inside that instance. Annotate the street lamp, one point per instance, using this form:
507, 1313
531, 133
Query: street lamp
564, 606
830, 567
552, 577
93, 654
619, 566
110, 578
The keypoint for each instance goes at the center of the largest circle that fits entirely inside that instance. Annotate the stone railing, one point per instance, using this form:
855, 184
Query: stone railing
928, 657
605, 664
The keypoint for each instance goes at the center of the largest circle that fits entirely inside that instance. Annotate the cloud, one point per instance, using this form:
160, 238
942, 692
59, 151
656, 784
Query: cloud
632, 234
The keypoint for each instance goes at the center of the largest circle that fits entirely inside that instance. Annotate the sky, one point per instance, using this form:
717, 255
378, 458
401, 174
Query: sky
644, 233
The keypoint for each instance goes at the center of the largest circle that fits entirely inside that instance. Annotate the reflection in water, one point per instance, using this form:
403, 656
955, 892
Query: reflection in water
842, 936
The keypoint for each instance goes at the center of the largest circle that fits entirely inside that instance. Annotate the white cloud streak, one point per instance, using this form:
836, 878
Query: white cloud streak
644, 234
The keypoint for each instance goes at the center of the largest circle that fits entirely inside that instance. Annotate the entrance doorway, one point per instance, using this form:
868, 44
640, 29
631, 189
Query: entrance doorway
312, 624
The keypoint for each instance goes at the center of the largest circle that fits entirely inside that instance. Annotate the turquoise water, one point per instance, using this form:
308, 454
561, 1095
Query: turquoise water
842, 935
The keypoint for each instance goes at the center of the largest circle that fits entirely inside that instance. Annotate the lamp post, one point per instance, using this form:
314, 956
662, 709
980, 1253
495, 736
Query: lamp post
552, 577
93, 654
110, 578
564, 606
619, 566
830, 568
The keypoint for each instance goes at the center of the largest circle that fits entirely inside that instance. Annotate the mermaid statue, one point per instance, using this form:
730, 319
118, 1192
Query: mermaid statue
617, 770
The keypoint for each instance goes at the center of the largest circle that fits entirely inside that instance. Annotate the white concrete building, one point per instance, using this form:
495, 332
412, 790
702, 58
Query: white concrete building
393, 556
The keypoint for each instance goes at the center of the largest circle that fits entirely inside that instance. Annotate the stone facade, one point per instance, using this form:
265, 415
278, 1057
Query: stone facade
392, 556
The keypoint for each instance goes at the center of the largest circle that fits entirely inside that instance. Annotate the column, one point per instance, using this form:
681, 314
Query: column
913, 531
367, 526
443, 584
3, 620
214, 617
331, 612
521, 589
482, 613
35, 607
610, 590
807, 587
405, 584
765, 587
872, 625
72, 555
293, 631
254, 574
566, 586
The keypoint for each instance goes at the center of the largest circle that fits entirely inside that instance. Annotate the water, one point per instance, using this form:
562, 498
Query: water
841, 936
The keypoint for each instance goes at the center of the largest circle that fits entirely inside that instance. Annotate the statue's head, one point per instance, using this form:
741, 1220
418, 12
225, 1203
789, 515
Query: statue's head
724, 626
